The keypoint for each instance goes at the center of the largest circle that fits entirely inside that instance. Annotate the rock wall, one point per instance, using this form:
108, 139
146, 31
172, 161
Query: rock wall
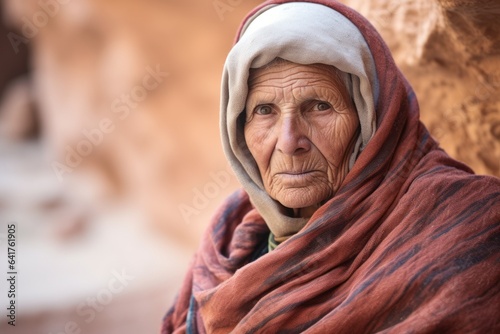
124, 96
450, 52
129, 92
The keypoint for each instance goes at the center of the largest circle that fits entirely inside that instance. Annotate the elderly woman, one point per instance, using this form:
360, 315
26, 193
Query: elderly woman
351, 218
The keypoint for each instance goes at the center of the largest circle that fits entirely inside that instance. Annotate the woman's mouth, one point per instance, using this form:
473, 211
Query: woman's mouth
295, 178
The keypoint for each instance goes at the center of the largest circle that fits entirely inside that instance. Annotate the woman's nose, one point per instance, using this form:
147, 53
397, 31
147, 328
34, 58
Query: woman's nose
292, 136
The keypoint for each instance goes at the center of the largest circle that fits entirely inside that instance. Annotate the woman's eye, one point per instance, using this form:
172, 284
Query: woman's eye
321, 106
263, 110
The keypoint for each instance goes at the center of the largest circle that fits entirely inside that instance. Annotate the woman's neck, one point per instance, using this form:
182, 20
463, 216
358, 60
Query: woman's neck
306, 212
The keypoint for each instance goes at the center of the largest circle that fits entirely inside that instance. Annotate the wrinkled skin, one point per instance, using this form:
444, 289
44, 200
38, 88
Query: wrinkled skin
301, 127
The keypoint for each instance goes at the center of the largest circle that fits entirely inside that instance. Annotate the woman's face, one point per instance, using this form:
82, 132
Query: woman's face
301, 128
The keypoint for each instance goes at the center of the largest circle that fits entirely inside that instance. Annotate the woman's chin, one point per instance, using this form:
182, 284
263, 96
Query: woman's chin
300, 200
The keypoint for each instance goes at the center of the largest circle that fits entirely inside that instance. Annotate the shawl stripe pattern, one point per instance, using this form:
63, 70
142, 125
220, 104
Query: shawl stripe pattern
409, 244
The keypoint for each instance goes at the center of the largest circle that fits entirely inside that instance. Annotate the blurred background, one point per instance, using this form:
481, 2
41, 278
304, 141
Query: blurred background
110, 159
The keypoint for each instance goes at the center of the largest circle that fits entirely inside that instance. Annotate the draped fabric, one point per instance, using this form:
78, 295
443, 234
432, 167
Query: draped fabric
410, 243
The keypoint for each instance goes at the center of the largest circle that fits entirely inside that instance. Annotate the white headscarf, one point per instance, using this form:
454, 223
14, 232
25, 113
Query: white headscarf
303, 33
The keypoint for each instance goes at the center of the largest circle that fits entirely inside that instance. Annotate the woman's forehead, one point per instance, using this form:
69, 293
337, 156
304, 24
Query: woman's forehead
304, 80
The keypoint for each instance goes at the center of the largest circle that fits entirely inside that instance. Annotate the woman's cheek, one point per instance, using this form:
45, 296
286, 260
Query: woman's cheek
257, 143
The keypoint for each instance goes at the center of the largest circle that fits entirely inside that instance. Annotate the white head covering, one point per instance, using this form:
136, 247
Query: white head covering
303, 33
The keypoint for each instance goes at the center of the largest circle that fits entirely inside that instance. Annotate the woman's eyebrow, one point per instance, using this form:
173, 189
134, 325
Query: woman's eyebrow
254, 99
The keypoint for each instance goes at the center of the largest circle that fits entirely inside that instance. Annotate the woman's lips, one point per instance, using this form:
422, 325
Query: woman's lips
296, 178
296, 173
